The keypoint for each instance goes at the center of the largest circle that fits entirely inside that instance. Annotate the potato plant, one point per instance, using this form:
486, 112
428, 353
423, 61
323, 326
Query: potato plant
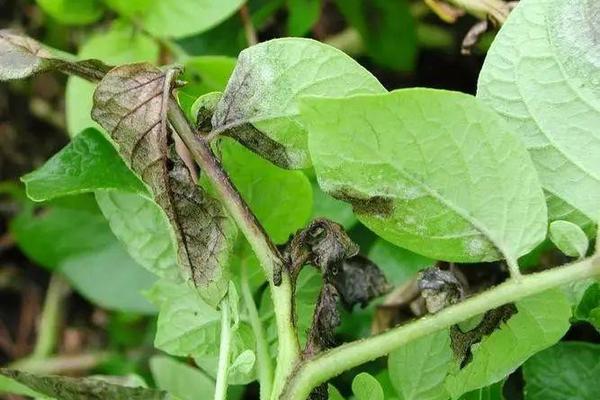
210, 193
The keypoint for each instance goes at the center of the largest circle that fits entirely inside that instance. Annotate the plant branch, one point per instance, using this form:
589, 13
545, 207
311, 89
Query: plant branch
249, 30
266, 252
51, 317
263, 359
320, 369
224, 352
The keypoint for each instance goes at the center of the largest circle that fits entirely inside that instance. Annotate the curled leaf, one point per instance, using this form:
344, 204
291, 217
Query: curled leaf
359, 281
131, 103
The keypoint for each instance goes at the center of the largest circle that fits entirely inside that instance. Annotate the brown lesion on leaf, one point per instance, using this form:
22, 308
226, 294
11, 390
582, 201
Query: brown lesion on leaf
462, 342
348, 277
375, 205
131, 104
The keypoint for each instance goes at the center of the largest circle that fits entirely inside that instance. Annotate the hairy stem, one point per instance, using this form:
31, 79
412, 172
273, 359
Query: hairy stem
224, 352
266, 252
51, 317
312, 373
263, 359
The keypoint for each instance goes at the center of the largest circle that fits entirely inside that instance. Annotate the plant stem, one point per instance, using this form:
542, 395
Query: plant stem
224, 352
496, 9
249, 30
51, 317
263, 359
325, 366
264, 249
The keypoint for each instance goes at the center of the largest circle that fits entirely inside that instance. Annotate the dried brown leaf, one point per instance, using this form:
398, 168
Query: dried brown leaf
131, 104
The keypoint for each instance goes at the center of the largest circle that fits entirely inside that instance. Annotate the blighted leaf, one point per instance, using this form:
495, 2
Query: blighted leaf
21, 57
541, 75
569, 238
326, 319
121, 43
67, 388
130, 103
366, 387
541, 320
259, 107
428, 369
565, 371
432, 171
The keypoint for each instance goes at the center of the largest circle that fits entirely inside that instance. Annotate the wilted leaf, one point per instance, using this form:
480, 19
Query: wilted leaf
130, 103
21, 57
67, 388
433, 171
259, 107
569, 238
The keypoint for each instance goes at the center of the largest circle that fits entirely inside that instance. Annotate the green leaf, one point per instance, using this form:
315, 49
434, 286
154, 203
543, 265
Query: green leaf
333, 393
179, 18
387, 28
259, 107
428, 369
541, 321
69, 12
88, 163
419, 369
302, 15
109, 278
181, 380
566, 371
188, 327
492, 392
308, 286
120, 44
398, 264
365, 387
67, 388
9, 386
141, 225
569, 238
558, 210
588, 308
281, 199
50, 233
432, 171
541, 75
203, 75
